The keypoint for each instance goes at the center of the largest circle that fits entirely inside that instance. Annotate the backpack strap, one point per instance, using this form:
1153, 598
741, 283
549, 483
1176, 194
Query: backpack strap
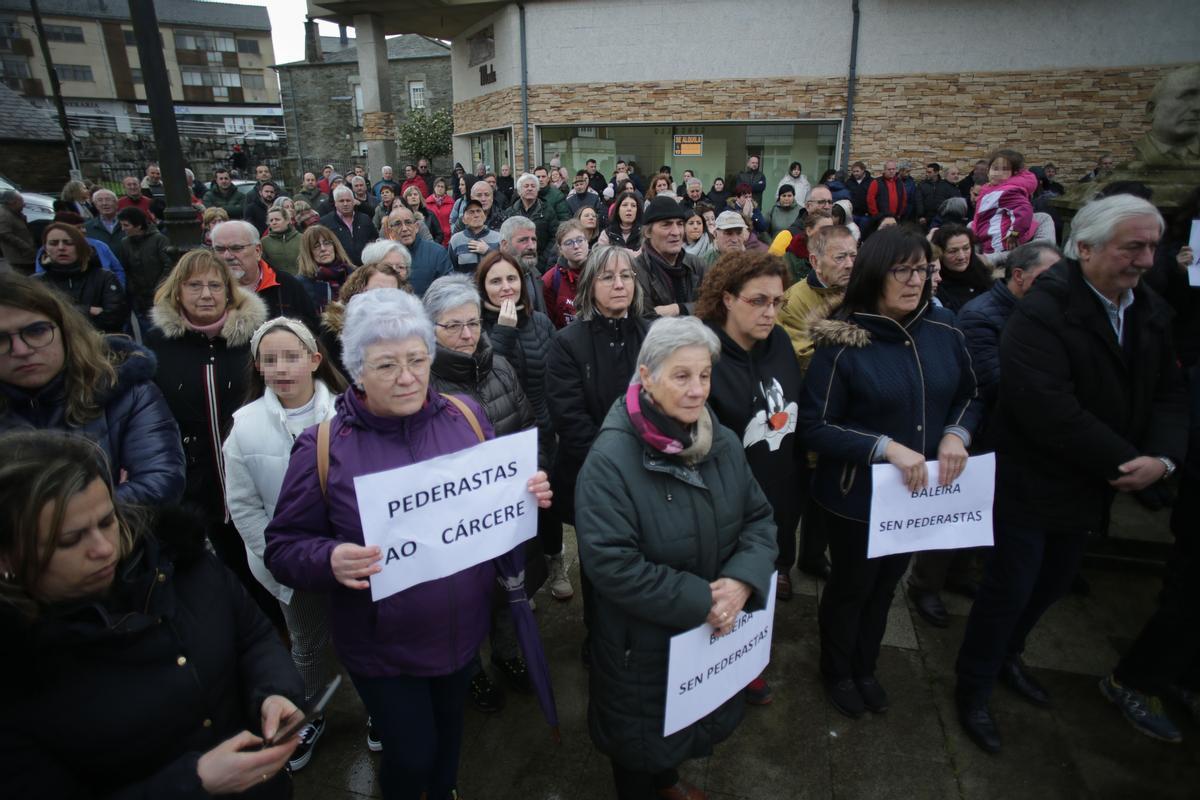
323, 455
466, 412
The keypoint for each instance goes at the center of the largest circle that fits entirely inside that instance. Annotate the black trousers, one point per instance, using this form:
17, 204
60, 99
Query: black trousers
813, 539
932, 569
634, 785
1029, 570
1167, 651
854, 606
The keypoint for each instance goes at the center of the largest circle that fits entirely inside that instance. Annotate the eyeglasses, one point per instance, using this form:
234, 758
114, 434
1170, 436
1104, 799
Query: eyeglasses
402, 223
220, 249
321, 245
36, 335
198, 287
573, 243
416, 366
762, 301
609, 278
456, 328
905, 273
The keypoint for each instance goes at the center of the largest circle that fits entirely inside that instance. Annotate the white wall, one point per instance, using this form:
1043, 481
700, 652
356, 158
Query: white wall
507, 63
586, 41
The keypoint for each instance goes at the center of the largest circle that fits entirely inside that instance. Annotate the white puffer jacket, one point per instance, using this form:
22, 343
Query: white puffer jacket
256, 457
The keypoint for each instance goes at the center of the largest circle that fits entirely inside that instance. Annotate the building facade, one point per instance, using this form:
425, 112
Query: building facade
702, 85
324, 106
218, 57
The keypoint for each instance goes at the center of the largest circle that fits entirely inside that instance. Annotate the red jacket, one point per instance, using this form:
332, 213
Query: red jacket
142, 202
894, 199
441, 209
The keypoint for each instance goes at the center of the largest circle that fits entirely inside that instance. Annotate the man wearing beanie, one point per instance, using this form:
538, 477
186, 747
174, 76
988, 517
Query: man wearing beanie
670, 278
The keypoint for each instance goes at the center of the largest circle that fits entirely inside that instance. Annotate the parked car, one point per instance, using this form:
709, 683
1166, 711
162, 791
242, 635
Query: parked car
259, 136
38, 207
243, 186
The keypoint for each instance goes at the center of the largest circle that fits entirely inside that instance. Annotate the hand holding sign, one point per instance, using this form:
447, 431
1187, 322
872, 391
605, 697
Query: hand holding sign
352, 564
910, 463
729, 596
539, 487
952, 459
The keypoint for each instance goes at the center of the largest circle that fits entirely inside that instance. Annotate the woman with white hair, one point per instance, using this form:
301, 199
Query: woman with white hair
409, 654
675, 533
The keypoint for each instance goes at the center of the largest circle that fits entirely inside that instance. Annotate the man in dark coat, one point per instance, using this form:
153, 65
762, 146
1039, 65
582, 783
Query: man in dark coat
754, 178
857, 184
223, 194
670, 278
353, 229
255, 211
284, 294
1091, 403
931, 193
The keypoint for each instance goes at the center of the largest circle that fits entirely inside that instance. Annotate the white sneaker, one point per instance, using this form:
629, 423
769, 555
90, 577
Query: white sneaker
560, 585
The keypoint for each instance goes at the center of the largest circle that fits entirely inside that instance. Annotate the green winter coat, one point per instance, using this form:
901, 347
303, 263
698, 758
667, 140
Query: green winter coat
231, 200
653, 533
282, 250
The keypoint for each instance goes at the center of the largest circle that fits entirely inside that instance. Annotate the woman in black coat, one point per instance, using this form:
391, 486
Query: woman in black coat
132, 666
69, 267
890, 381
60, 373
964, 274
203, 322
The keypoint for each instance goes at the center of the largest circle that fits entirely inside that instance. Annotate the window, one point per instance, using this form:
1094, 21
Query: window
215, 58
64, 33
416, 95
248, 46
136, 74
13, 67
358, 105
10, 29
253, 80
237, 125
218, 42
80, 73
217, 78
481, 47
220, 91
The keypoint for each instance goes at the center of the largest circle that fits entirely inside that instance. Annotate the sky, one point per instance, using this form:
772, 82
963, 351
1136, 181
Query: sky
287, 26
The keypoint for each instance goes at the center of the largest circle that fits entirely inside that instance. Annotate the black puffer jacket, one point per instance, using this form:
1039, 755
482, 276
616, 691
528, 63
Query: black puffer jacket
146, 262
490, 380
589, 366
525, 347
204, 382
119, 697
135, 427
93, 287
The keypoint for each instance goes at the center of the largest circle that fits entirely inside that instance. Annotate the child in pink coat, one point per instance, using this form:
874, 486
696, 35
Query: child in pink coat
1004, 212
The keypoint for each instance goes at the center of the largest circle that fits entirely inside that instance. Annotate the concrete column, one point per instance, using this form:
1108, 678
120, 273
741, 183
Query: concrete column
379, 121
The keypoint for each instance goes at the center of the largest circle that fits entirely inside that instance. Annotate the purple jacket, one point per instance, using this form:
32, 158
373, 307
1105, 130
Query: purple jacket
433, 628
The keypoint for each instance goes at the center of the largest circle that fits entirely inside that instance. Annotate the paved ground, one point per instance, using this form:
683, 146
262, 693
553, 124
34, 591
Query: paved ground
799, 747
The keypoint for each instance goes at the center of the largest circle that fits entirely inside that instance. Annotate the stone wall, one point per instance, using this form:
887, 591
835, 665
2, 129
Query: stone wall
36, 166
322, 130
111, 155
1064, 116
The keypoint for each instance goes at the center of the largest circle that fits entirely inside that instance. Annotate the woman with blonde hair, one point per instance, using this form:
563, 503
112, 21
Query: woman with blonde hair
323, 263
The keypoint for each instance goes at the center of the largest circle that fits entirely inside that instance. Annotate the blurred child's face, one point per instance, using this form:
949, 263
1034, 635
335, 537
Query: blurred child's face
999, 171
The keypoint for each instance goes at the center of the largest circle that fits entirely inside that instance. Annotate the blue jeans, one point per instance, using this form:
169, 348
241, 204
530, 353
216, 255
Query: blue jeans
420, 723
1029, 570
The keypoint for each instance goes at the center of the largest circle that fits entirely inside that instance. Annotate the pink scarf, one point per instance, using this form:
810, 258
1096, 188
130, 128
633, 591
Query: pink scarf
210, 330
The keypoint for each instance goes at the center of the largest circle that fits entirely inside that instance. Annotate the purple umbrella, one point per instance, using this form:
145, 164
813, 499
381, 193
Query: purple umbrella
510, 569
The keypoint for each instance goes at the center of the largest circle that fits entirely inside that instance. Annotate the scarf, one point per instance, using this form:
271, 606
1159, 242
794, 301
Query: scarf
210, 330
665, 434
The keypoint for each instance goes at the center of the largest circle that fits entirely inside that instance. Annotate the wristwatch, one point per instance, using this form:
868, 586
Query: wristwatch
1169, 464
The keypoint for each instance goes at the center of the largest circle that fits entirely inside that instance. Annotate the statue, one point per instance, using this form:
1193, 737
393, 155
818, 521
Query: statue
1174, 108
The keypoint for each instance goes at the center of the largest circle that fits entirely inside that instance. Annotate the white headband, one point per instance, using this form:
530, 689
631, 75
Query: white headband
296, 327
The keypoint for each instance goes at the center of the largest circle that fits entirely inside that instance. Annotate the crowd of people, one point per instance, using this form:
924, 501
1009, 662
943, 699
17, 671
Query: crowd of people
711, 383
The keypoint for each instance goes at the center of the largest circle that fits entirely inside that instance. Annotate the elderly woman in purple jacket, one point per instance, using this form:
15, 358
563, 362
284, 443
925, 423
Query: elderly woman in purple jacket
409, 654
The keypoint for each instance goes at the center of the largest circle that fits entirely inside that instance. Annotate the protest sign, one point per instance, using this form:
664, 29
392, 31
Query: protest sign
933, 518
440, 516
706, 670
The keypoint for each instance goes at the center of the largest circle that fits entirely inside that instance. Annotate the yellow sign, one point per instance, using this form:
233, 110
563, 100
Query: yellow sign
689, 145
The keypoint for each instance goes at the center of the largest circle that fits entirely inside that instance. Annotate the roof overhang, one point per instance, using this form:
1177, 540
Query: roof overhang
439, 19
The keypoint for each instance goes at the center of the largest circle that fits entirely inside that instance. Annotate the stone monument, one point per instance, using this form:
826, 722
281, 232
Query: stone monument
1168, 156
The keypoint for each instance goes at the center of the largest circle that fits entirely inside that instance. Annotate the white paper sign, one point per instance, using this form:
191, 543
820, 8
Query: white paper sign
440, 516
936, 517
1193, 269
704, 671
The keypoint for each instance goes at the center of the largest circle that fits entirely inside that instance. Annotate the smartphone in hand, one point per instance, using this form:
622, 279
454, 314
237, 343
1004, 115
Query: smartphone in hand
292, 723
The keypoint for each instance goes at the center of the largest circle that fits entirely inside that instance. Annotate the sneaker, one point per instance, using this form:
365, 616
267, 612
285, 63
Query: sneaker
308, 740
873, 696
1144, 712
485, 694
758, 693
514, 672
560, 584
373, 742
845, 697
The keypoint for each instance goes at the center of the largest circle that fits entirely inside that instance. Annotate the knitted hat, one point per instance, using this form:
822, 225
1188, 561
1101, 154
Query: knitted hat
663, 207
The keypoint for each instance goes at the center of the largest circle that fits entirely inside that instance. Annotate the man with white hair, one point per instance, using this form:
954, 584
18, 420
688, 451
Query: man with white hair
104, 226
534, 210
237, 243
354, 229
388, 179
430, 260
364, 201
1090, 403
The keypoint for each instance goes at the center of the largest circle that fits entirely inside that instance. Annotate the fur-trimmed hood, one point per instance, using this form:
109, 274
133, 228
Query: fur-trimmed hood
826, 331
334, 316
246, 313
